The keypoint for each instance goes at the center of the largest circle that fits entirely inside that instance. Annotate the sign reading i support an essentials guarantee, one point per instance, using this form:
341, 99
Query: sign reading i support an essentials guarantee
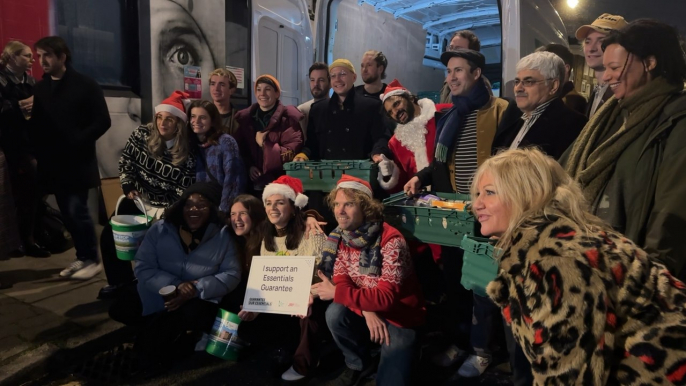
279, 284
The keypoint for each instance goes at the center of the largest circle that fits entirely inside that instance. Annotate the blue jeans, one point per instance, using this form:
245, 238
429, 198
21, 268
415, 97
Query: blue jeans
351, 334
78, 221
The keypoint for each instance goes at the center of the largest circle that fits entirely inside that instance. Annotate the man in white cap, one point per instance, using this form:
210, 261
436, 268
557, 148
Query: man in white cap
591, 37
375, 291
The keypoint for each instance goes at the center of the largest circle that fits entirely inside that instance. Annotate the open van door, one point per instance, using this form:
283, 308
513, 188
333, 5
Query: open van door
282, 46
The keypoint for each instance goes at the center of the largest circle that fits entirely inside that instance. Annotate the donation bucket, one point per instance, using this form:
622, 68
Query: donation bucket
129, 231
223, 339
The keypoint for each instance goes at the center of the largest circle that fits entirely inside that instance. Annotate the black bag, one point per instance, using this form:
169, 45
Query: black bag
50, 231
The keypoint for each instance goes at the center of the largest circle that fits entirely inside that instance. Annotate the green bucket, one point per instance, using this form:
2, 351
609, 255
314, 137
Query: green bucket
223, 337
129, 231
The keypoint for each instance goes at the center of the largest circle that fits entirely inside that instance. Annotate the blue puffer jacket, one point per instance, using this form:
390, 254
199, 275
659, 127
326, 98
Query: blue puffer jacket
162, 261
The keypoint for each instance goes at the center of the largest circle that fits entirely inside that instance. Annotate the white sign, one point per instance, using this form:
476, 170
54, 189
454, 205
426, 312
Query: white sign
240, 75
279, 284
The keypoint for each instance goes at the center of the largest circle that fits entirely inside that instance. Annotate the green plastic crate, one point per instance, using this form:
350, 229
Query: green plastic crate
323, 175
479, 267
430, 225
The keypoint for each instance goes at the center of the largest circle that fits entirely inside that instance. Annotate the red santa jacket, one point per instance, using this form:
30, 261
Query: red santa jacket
412, 145
395, 295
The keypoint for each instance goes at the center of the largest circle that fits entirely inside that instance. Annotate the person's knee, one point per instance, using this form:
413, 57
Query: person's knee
335, 314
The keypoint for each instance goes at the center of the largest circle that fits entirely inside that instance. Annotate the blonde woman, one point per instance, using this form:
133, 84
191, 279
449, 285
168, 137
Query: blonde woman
585, 304
16, 103
157, 165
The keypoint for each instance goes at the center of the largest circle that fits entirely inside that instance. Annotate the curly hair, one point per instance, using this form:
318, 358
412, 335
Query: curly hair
371, 208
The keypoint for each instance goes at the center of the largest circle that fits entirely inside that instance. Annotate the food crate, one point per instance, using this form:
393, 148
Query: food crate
479, 267
323, 175
430, 225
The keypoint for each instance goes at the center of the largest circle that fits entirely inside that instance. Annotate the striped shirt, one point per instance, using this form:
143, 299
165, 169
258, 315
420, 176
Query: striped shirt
529, 121
465, 154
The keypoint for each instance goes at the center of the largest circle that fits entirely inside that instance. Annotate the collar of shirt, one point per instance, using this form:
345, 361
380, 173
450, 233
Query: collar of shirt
537, 111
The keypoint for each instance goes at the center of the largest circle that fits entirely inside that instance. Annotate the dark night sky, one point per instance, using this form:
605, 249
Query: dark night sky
672, 12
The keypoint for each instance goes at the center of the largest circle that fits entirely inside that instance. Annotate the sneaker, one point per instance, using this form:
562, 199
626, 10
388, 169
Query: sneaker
82, 270
449, 357
291, 375
474, 366
350, 377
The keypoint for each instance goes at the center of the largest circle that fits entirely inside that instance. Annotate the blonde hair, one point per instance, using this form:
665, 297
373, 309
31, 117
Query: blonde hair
223, 72
157, 145
531, 184
12, 48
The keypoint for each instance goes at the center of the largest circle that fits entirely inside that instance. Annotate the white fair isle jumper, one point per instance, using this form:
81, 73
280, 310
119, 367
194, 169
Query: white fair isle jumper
312, 246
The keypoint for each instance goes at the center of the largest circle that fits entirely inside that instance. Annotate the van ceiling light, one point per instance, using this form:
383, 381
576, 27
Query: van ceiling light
572, 3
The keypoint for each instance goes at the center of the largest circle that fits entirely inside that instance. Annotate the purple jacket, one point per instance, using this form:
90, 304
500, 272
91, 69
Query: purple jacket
283, 141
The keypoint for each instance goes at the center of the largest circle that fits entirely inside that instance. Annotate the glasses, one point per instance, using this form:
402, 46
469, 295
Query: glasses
529, 82
341, 75
198, 207
168, 120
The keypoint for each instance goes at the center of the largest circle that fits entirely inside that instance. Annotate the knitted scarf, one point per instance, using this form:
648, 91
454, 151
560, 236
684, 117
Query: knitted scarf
592, 164
367, 238
449, 125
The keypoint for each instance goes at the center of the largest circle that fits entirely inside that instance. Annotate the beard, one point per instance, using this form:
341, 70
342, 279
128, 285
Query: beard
409, 114
370, 79
317, 92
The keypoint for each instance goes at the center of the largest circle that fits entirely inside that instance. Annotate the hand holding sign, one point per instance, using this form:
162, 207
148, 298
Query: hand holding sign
326, 290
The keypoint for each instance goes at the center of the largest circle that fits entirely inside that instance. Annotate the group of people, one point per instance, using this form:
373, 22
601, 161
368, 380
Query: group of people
583, 201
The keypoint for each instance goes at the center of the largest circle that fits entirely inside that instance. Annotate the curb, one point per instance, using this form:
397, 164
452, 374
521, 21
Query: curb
33, 363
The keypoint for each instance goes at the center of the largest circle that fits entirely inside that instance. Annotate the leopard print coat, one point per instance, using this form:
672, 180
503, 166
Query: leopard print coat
591, 309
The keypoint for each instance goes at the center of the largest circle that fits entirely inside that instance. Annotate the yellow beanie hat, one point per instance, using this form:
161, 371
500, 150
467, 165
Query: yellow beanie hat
342, 63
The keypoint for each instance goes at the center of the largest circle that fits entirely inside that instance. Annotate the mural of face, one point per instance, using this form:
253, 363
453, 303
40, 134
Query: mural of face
180, 35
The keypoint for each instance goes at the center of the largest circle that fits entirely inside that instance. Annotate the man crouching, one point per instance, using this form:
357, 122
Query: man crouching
375, 291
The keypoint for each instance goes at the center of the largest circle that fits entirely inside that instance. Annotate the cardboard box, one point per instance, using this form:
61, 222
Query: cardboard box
111, 191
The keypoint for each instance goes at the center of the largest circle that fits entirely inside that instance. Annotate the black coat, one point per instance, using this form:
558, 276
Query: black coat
14, 129
352, 133
68, 117
553, 132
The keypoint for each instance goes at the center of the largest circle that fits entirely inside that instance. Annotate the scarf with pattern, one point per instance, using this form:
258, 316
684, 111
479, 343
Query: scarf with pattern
367, 238
450, 124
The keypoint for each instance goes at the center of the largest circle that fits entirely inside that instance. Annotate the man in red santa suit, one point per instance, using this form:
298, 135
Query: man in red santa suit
413, 142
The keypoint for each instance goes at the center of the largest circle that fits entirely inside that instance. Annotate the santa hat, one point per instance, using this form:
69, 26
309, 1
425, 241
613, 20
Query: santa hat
176, 104
350, 182
394, 88
288, 187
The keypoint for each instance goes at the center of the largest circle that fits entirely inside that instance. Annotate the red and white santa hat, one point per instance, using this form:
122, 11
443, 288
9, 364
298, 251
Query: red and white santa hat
350, 182
176, 104
394, 88
288, 187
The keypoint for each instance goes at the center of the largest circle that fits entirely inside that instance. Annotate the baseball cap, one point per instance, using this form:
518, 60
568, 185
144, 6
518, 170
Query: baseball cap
603, 24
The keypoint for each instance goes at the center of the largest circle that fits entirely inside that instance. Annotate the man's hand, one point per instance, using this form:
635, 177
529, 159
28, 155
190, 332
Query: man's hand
259, 137
377, 158
254, 173
247, 316
412, 186
312, 226
386, 166
326, 290
378, 331
133, 194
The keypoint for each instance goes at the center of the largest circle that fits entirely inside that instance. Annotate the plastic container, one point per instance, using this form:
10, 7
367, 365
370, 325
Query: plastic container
223, 340
479, 267
323, 175
129, 231
430, 225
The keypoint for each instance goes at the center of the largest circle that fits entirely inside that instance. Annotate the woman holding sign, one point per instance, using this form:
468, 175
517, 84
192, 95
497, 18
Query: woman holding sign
286, 236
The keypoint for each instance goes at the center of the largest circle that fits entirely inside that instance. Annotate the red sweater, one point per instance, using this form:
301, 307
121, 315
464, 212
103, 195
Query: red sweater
395, 295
